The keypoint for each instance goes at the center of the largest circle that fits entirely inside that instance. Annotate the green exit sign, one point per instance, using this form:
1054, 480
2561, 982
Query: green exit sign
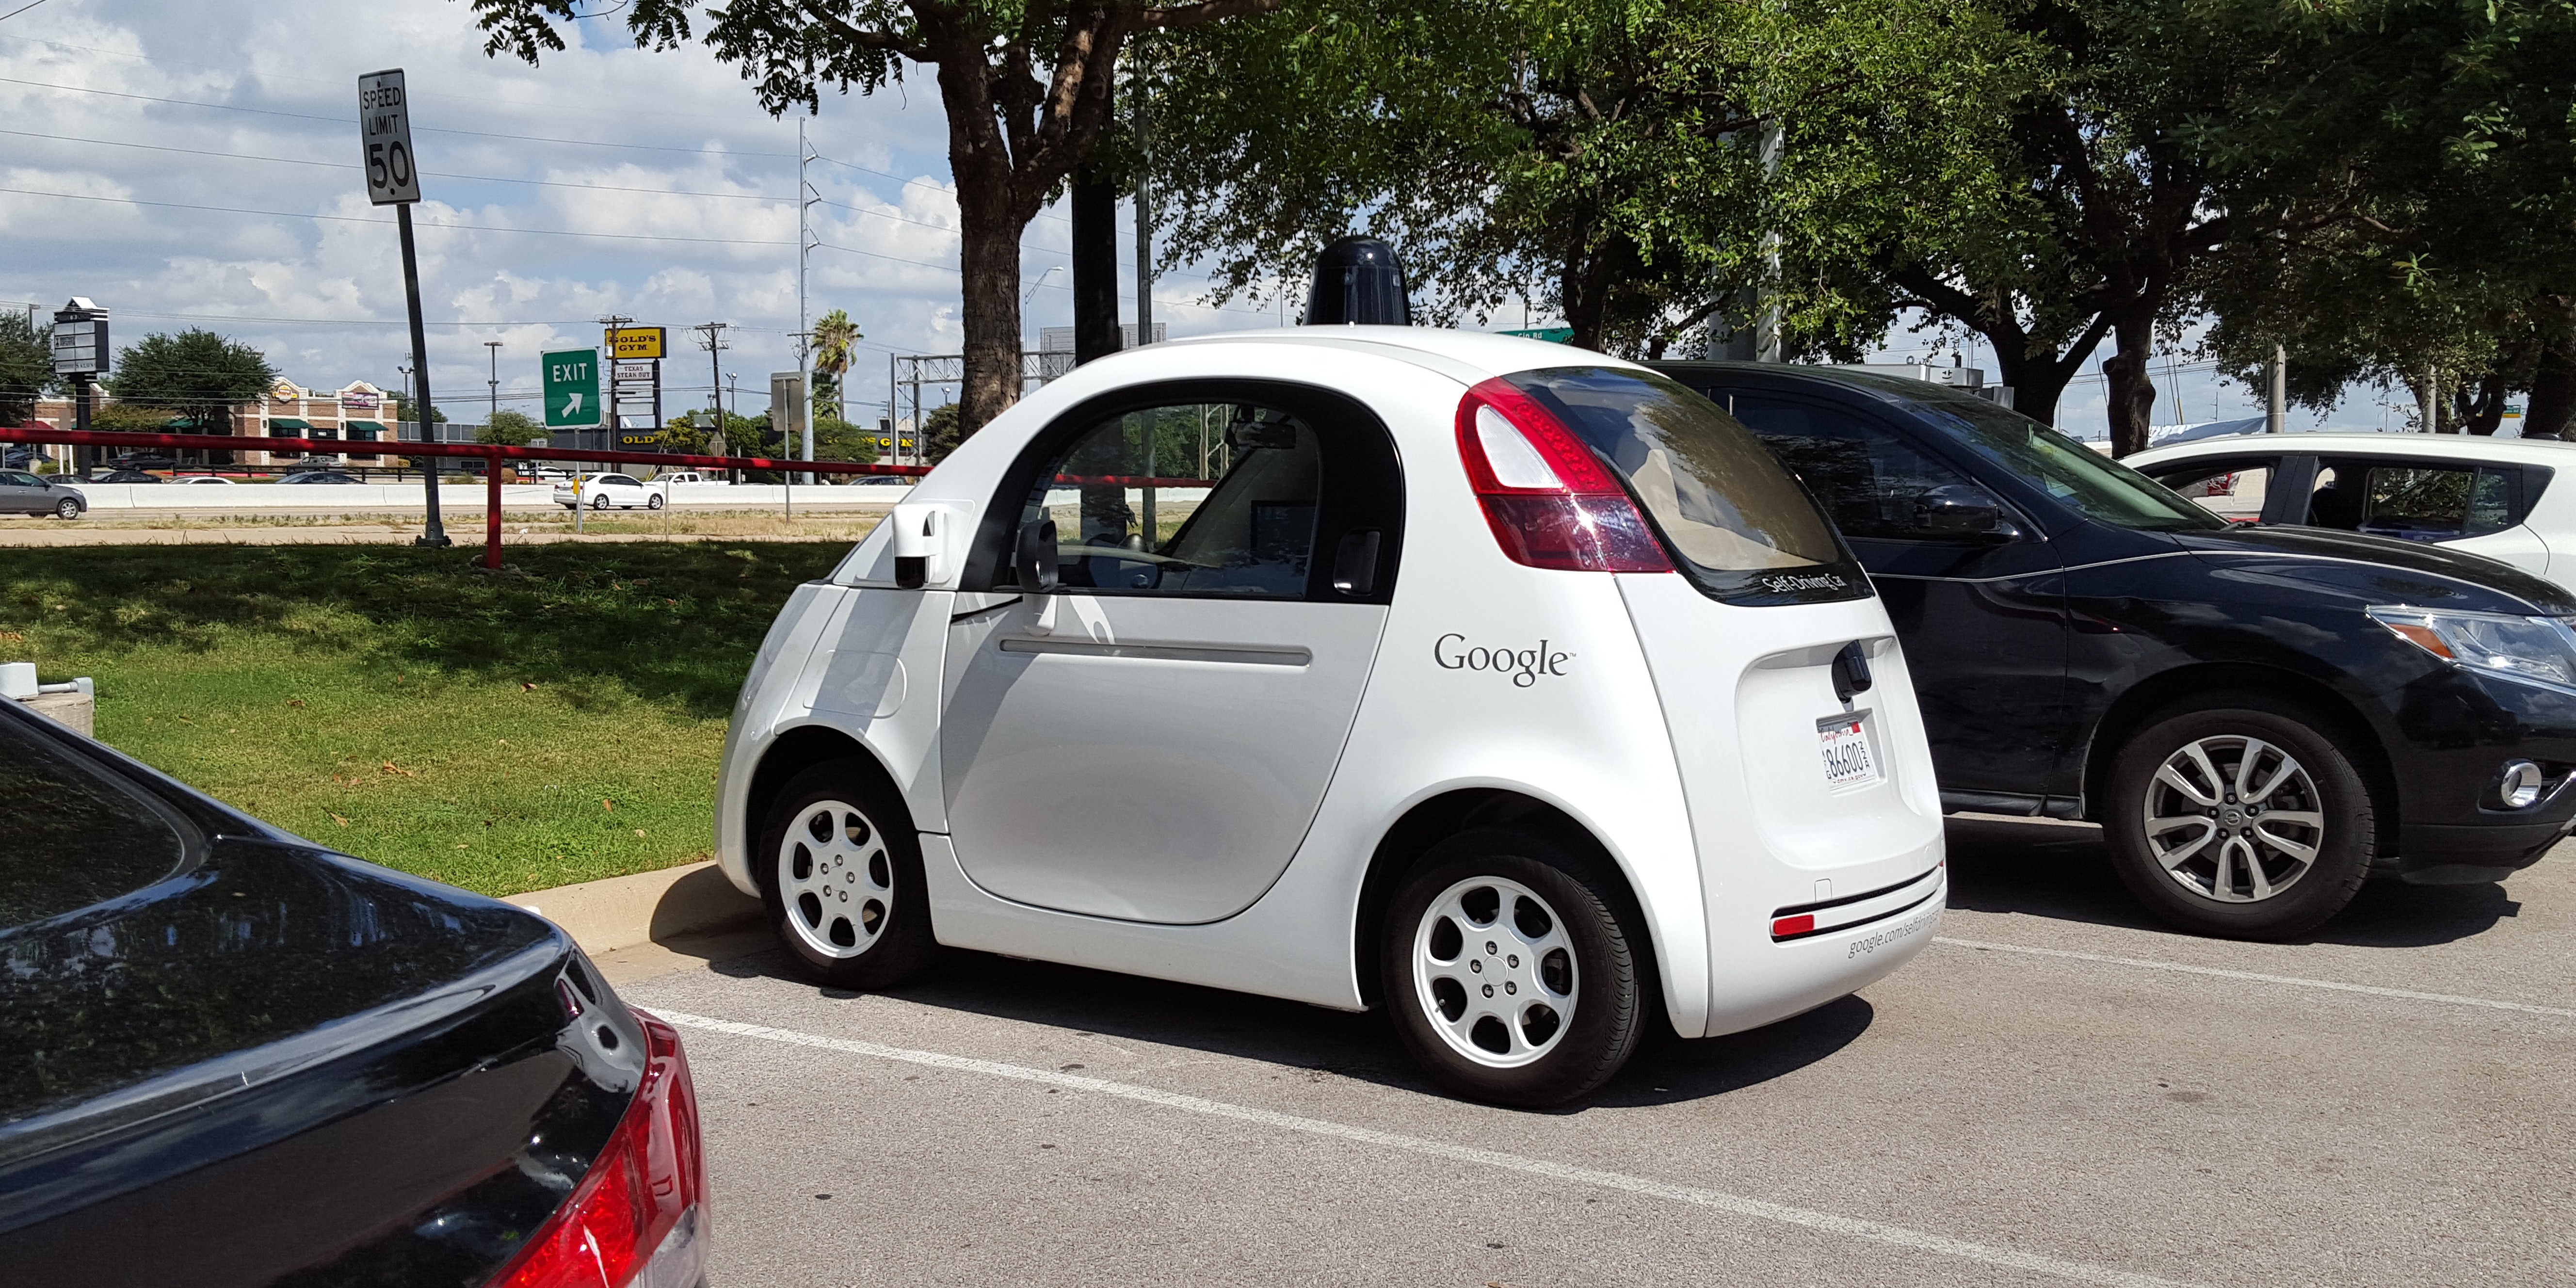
572, 387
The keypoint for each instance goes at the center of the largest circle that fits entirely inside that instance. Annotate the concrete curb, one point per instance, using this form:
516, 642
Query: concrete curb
693, 900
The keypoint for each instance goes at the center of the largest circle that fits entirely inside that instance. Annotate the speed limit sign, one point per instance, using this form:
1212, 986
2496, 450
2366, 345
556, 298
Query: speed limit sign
384, 126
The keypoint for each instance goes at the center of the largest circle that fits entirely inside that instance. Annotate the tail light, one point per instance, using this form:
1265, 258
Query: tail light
1550, 501
639, 1219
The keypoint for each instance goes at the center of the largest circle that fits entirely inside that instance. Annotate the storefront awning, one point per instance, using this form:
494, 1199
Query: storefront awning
287, 426
364, 431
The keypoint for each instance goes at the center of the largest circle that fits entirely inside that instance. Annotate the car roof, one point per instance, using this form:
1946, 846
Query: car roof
1467, 355
2469, 447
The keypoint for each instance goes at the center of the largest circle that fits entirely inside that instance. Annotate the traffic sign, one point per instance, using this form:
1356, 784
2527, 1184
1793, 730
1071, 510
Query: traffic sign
384, 127
80, 339
628, 342
572, 388
1551, 334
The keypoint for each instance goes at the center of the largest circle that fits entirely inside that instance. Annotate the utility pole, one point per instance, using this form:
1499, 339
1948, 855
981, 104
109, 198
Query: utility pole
2276, 400
715, 346
495, 347
2428, 400
806, 197
1144, 218
1766, 320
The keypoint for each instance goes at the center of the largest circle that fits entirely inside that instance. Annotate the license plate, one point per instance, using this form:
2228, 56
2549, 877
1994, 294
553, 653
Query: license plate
1845, 743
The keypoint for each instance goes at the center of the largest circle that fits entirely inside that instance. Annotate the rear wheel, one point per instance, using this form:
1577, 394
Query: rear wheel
1509, 974
840, 875
2236, 817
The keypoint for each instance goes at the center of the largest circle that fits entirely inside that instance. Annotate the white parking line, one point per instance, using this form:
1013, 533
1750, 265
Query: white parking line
2258, 977
1828, 1222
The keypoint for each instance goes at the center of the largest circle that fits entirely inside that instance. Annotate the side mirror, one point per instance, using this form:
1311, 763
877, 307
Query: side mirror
1958, 510
1034, 559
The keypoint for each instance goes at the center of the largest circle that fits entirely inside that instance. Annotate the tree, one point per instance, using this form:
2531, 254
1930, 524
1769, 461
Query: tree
836, 439
26, 367
835, 337
508, 428
196, 374
1509, 148
1027, 86
941, 431
2442, 162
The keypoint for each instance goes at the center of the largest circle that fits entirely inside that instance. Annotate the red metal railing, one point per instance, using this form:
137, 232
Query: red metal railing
489, 452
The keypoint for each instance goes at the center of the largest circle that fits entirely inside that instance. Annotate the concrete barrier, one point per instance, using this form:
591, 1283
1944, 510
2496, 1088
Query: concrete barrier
649, 907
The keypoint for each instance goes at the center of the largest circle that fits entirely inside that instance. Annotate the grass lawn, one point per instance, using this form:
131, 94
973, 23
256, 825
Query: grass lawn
500, 733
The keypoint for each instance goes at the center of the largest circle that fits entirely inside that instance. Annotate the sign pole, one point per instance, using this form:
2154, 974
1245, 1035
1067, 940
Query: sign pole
434, 533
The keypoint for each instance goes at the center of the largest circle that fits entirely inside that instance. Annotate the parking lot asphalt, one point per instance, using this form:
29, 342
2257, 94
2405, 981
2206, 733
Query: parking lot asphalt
2056, 1091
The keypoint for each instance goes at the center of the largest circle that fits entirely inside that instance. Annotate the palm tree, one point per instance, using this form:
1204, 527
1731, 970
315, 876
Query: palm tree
834, 337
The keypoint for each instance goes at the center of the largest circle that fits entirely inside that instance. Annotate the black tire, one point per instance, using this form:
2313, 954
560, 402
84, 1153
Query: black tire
599, 503
653, 502
2221, 865
876, 932
1537, 1064
67, 509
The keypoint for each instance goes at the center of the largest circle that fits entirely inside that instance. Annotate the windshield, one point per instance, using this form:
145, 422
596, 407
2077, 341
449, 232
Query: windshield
1729, 515
2079, 477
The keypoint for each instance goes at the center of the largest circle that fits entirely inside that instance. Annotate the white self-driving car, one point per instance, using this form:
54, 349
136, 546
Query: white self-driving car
1511, 687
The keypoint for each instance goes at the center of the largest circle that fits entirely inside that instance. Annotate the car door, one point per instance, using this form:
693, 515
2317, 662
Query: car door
1150, 740
23, 493
1981, 615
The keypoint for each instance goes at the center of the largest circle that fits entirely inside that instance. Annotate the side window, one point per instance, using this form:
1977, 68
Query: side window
2233, 490
1200, 499
1870, 480
2416, 502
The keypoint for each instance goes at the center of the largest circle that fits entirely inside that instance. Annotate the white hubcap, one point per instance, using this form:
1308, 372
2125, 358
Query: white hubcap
1493, 971
2234, 819
836, 879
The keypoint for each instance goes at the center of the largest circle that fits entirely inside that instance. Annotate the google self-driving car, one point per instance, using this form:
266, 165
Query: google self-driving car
2260, 716
1513, 688
236, 1058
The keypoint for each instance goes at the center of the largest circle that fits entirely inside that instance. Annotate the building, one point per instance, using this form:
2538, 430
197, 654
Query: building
356, 412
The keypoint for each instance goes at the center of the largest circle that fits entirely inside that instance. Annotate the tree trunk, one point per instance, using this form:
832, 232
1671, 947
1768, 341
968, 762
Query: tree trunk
2553, 386
1095, 268
989, 256
2482, 413
2037, 380
2132, 386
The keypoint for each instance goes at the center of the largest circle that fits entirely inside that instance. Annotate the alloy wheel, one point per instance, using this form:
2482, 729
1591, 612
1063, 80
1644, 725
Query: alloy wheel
836, 878
1494, 972
2233, 819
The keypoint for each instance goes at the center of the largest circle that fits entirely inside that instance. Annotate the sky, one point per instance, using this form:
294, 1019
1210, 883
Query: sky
197, 164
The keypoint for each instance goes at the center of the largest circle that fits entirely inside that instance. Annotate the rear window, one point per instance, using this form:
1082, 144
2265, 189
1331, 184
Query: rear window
76, 834
1732, 519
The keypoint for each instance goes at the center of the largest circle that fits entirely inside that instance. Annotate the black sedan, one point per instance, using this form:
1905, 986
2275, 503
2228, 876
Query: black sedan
319, 476
2260, 717
126, 476
236, 1058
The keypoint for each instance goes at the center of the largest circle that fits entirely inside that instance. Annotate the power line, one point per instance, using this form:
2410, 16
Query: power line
353, 219
425, 129
434, 174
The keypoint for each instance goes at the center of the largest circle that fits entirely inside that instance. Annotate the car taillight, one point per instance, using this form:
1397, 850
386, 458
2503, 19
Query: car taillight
639, 1219
1550, 501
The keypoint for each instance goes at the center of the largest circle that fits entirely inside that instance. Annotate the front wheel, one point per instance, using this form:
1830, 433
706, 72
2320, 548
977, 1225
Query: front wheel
67, 509
840, 877
653, 503
1508, 971
599, 503
2236, 817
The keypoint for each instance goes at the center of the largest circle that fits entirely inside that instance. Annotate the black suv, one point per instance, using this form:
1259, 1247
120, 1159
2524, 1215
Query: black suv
2259, 716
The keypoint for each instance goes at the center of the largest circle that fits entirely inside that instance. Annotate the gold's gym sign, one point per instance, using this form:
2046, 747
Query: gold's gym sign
633, 341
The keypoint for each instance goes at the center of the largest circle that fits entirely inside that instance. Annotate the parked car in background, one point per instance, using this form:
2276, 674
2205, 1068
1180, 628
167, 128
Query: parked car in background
143, 461
601, 491
295, 1067
126, 476
203, 478
319, 476
883, 480
25, 493
2259, 716
2487, 496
